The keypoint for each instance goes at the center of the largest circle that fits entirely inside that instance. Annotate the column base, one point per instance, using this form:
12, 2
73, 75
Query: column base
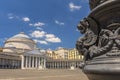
103, 69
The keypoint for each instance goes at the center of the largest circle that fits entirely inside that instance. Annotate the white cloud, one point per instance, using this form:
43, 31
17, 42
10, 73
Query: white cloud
38, 34
50, 35
30, 24
73, 7
13, 16
59, 23
38, 24
39, 28
52, 38
40, 41
26, 19
10, 17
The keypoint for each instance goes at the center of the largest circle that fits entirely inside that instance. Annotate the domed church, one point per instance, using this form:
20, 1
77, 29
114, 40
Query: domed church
20, 42
20, 51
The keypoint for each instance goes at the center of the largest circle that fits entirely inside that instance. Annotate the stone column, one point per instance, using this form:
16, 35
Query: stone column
63, 64
44, 62
67, 64
22, 61
55, 65
29, 61
26, 62
38, 62
50, 64
35, 62
59, 64
32, 61
0, 62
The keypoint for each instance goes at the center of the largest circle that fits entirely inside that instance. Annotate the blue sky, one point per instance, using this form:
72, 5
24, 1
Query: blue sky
51, 23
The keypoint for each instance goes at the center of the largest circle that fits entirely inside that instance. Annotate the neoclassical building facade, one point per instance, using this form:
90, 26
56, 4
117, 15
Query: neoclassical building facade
21, 52
63, 58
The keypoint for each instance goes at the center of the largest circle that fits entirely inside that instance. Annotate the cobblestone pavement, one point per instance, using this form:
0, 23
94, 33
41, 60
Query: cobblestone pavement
48, 74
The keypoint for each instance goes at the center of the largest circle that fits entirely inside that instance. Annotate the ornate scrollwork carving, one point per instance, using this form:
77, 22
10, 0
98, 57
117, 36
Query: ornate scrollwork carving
83, 26
88, 27
108, 40
115, 51
105, 44
89, 38
117, 35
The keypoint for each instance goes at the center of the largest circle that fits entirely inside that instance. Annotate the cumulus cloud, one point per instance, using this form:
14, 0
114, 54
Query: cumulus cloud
59, 23
26, 19
38, 34
73, 7
40, 41
45, 37
50, 35
52, 38
38, 24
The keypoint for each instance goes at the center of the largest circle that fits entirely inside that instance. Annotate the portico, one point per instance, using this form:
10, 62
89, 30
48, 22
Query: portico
33, 60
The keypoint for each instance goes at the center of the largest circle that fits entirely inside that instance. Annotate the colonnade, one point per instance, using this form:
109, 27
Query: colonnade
9, 63
62, 64
33, 62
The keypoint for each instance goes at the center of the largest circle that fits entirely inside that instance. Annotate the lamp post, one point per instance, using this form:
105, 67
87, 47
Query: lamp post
101, 42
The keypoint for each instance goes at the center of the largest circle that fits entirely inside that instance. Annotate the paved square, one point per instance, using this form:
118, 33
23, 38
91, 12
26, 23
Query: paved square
47, 74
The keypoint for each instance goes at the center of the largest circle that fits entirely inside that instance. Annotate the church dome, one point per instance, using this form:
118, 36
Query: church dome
21, 35
20, 41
